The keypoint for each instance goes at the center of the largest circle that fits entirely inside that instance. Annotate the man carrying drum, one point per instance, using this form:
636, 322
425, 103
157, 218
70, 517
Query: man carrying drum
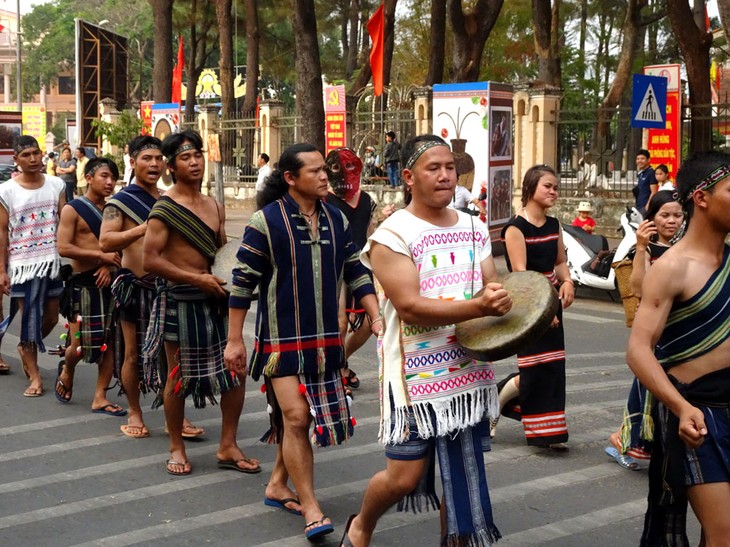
430, 260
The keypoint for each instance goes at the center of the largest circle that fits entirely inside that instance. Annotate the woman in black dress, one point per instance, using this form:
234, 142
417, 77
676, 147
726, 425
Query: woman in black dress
534, 241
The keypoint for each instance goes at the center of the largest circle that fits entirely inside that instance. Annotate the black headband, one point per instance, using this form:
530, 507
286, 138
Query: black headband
148, 146
96, 167
23, 146
183, 148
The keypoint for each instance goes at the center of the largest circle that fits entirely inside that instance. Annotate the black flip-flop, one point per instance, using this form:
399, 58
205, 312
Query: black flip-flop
61, 398
233, 464
352, 380
110, 410
345, 541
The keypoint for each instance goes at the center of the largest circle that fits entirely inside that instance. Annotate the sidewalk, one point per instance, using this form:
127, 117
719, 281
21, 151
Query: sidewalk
238, 214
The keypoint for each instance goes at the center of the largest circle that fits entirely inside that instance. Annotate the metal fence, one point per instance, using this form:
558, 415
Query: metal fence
586, 165
237, 138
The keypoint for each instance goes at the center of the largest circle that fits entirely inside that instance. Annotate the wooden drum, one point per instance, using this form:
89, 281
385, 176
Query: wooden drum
534, 305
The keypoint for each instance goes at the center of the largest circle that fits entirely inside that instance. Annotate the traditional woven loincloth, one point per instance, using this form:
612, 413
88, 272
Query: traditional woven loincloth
327, 403
674, 466
198, 324
34, 294
94, 306
133, 299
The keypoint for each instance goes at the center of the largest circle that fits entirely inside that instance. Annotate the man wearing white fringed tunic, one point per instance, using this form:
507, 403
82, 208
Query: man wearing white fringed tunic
430, 260
29, 261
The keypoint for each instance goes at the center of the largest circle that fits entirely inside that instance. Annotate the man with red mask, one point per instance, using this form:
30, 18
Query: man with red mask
343, 170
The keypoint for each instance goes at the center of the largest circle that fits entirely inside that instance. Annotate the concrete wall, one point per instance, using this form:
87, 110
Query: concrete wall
606, 211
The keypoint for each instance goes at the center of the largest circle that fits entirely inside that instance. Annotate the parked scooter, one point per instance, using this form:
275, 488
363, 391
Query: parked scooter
588, 256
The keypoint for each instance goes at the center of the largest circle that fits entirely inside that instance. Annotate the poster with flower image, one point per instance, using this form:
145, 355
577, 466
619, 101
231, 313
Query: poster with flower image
475, 119
461, 118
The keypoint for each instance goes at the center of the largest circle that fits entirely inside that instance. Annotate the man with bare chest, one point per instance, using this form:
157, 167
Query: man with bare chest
87, 303
190, 311
680, 350
122, 230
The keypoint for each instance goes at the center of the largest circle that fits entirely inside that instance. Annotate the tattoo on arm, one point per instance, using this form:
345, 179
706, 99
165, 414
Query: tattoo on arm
111, 213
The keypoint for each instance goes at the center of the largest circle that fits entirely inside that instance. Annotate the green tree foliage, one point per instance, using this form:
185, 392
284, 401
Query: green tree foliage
119, 133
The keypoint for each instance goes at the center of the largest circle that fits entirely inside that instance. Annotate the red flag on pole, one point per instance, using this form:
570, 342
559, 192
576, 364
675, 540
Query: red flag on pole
177, 73
376, 29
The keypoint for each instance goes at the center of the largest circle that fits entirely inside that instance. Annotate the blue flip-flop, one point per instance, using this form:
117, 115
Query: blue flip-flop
281, 504
624, 460
318, 532
106, 410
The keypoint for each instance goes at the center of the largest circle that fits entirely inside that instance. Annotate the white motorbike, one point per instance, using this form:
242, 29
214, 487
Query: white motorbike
588, 256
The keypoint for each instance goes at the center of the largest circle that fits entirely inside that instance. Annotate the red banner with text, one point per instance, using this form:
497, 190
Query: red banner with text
334, 115
664, 145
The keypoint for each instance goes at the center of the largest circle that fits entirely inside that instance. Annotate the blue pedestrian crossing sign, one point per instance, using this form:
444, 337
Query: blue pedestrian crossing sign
649, 102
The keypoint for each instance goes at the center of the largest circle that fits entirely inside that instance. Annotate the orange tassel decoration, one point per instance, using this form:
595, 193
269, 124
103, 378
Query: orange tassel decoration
175, 371
263, 388
302, 389
178, 387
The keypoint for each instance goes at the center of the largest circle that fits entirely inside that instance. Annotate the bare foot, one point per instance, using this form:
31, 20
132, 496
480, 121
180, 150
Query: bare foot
615, 440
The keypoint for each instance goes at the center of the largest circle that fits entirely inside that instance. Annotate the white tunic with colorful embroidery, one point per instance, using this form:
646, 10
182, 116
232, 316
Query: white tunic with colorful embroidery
423, 368
32, 226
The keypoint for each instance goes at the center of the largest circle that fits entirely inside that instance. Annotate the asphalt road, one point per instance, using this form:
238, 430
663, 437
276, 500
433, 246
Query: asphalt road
69, 477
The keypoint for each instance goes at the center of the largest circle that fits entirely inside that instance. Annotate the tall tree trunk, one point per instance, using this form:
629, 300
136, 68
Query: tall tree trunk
582, 38
545, 23
352, 53
344, 32
189, 112
630, 33
437, 46
471, 30
310, 106
694, 44
228, 100
200, 50
253, 40
225, 41
162, 62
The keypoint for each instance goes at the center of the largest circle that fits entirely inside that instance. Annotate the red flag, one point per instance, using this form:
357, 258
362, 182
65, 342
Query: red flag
2, 28
376, 29
177, 73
